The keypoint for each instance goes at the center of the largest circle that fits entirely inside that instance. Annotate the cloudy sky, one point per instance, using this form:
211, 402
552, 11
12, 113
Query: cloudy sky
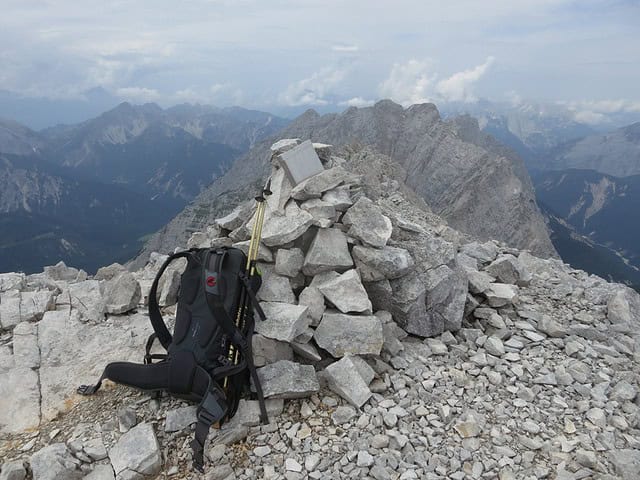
291, 53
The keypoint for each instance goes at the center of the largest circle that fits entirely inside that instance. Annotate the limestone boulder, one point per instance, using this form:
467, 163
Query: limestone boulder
315, 186
109, 272
313, 298
347, 293
267, 350
289, 262
60, 272
137, 451
501, 294
343, 378
10, 309
33, 305
284, 321
55, 462
389, 262
275, 288
339, 198
507, 269
367, 223
12, 281
329, 251
280, 230
122, 294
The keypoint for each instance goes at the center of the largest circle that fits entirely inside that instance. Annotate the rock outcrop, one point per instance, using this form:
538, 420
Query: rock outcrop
376, 350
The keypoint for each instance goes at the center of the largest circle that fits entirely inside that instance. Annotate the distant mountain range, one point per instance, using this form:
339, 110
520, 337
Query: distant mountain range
90, 192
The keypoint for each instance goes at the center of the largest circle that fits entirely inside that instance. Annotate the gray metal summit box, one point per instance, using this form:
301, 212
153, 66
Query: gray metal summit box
301, 162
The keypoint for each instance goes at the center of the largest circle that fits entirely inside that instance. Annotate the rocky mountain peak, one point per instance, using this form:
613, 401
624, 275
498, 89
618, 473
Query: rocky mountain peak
477, 185
395, 347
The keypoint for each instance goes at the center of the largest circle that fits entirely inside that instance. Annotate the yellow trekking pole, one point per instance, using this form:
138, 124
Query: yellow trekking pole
252, 257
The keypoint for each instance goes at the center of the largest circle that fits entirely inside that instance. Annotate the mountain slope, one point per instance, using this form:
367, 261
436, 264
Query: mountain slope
616, 153
582, 252
601, 207
18, 139
486, 194
46, 217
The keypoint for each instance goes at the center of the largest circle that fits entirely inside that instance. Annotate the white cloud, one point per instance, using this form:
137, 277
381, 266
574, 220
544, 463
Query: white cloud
341, 47
459, 86
356, 102
412, 82
314, 89
589, 117
408, 83
594, 112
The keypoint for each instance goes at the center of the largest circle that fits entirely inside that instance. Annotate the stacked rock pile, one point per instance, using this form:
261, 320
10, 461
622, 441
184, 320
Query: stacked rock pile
419, 354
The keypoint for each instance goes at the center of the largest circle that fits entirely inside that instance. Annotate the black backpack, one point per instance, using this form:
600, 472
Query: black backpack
209, 358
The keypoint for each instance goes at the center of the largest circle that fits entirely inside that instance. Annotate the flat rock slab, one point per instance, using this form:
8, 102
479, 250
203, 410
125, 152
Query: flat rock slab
278, 230
391, 262
367, 223
248, 413
73, 353
341, 334
55, 462
283, 145
315, 186
137, 451
180, 418
329, 251
344, 379
301, 162
284, 321
264, 254
286, 379
19, 400
236, 217
347, 293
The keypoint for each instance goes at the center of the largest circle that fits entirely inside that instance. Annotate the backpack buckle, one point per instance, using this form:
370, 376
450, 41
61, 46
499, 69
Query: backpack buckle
212, 407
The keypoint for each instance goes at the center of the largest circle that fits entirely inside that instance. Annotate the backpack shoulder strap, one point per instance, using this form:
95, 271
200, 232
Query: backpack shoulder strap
155, 316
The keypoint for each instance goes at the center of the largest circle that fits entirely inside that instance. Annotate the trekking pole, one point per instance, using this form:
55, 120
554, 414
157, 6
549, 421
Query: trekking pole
252, 256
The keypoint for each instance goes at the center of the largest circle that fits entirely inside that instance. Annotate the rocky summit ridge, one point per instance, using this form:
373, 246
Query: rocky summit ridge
396, 347
477, 185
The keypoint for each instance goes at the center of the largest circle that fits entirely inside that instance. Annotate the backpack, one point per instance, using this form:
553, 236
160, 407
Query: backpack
209, 358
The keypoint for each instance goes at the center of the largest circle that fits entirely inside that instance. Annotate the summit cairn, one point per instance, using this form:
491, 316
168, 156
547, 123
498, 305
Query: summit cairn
394, 348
